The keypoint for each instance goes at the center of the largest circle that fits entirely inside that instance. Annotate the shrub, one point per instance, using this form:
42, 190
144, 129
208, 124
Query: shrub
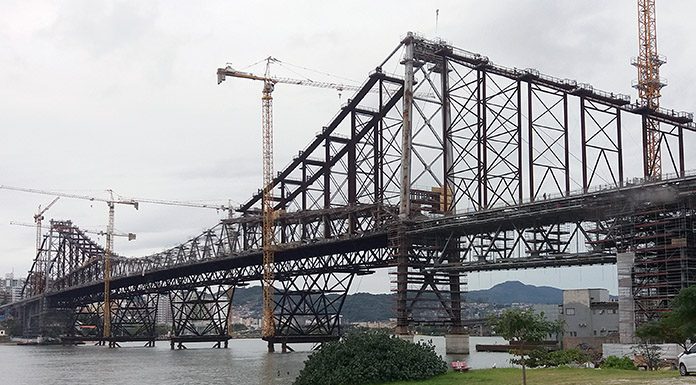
567, 357
539, 357
535, 358
613, 362
369, 358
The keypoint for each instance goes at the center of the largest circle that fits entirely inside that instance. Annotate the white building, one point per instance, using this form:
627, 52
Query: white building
591, 317
164, 310
12, 287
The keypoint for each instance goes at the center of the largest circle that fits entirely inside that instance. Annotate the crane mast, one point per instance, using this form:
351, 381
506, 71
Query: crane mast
38, 218
108, 249
267, 203
649, 85
42, 260
268, 214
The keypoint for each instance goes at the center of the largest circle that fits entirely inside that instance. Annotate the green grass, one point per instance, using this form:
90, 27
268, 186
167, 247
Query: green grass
554, 376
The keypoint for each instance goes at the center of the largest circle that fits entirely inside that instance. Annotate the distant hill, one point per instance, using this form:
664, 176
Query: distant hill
517, 292
358, 306
368, 307
379, 307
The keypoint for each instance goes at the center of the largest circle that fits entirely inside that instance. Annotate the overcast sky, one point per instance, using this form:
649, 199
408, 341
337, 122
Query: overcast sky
123, 95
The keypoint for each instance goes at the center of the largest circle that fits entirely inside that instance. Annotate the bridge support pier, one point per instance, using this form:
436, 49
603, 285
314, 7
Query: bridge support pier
627, 319
201, 314
308, 307
428, 298
457, 344
134, 319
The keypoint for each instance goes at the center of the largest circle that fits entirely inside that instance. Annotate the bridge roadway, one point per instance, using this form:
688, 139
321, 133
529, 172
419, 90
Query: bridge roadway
598, 205
362, 252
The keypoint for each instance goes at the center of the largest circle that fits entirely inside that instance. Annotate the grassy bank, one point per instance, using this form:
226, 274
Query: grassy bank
555, 376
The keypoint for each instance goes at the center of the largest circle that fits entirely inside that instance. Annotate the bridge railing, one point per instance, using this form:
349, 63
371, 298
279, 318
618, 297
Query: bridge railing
628, 182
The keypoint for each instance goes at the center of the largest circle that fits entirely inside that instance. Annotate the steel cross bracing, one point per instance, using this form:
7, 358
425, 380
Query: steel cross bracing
509, 169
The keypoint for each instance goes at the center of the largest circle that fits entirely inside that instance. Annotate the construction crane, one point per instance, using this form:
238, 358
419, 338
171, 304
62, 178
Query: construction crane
268, 329
268, 215
108, 248
223, 73
109, 243
129, 236
38, 218
649, 84
269, 83
41, 261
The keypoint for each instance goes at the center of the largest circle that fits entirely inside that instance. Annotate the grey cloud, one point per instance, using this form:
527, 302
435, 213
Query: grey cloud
122, 94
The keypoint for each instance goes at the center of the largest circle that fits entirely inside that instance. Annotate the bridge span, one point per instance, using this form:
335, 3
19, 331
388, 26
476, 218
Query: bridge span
455, 165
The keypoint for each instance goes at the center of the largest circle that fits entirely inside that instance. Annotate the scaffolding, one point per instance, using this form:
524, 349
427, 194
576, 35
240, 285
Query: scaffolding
661, 239
665, 258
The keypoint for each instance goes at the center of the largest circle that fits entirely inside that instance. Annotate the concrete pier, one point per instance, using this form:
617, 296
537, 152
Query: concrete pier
627, 325
457, 344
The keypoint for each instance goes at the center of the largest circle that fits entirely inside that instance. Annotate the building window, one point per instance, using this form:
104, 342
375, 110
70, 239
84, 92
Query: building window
595, 332
570, 311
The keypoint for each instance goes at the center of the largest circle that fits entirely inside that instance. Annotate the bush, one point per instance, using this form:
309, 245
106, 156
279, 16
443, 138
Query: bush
543, 358
613, 362
535, 358
567, 357
369, 358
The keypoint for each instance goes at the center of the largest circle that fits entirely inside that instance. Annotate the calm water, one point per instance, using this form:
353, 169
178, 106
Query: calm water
245, 362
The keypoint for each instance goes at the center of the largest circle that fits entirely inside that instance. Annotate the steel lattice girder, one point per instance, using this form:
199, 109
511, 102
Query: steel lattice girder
339, 194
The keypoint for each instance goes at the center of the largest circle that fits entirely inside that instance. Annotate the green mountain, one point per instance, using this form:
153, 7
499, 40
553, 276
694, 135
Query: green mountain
367, 307
510, 292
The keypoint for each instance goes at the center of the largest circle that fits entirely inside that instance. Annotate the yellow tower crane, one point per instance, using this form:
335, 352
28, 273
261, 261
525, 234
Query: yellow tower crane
649, 84
112, 201
269, 83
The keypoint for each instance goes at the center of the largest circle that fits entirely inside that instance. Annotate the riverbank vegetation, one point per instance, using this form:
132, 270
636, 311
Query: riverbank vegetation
370, 358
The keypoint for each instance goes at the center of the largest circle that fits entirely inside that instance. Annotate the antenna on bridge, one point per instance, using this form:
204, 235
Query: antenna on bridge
437, 17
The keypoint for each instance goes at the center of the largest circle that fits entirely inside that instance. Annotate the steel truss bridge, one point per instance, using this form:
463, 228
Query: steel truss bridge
453, 165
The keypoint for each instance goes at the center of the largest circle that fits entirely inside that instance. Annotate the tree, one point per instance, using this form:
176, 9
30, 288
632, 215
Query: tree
683, 315
678, 326
666, 329
648, 354
524, 328
12, 327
